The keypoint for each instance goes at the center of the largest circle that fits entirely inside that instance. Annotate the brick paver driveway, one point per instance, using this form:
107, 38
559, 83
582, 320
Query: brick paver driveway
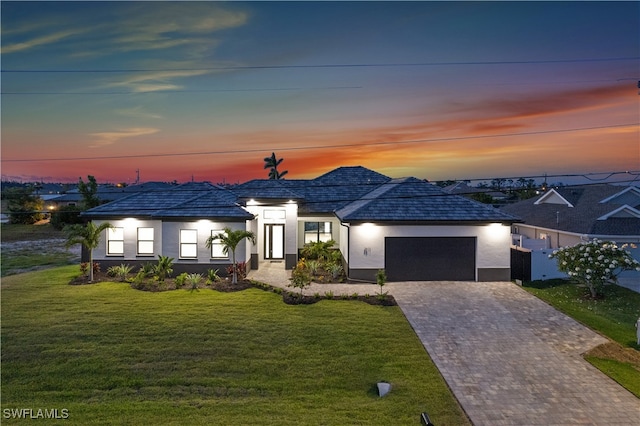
510, 358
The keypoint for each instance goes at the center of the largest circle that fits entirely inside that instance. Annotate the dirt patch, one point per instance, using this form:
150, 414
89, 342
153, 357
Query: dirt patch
615, 351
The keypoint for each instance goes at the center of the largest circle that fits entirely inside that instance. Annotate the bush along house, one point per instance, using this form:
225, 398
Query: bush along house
409, 227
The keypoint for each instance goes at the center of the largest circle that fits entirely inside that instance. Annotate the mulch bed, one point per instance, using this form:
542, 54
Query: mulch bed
225, 285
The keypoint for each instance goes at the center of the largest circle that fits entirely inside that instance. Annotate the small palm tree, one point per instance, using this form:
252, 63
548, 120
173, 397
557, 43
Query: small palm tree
272, 163
230, 240
88, 236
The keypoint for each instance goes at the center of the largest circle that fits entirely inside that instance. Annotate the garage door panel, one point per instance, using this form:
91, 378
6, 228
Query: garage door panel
430, 258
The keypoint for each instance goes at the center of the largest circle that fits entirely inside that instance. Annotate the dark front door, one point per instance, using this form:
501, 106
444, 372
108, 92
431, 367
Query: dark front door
274, 241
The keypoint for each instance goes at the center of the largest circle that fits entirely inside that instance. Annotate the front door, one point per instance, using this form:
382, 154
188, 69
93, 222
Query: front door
273, 241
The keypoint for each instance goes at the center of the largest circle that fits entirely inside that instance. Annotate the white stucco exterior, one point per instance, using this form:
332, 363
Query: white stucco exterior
367, 250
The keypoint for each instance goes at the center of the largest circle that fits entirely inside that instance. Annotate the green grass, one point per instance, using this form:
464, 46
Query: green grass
622, 372
15, 232
113, 355
30, 247
614, 316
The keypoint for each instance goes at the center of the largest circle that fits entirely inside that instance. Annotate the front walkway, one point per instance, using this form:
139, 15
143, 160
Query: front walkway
508, 357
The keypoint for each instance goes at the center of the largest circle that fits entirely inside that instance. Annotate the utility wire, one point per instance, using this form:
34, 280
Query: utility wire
311, 66
244, 151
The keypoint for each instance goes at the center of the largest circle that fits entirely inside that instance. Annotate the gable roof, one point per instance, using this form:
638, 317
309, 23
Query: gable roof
585, 213
192, 200
415, 200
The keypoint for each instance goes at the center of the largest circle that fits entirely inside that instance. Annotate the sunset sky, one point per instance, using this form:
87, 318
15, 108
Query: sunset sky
206, 90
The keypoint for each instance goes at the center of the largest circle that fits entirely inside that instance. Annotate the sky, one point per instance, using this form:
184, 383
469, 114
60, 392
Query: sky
205, 90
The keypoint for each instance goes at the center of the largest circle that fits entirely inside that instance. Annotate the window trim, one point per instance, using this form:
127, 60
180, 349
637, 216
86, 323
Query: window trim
139, 240
188, 244
111, 238
217, 243
317, 232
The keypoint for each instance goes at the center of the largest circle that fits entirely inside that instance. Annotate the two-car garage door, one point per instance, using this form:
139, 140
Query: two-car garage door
430, 258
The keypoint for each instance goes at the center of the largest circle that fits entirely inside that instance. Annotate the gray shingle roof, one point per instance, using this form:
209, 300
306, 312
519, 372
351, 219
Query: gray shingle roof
583, 217
192, 200
414, 200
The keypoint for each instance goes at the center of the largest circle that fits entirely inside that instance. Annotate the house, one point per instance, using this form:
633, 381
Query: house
105, 193
566, 216
407, 226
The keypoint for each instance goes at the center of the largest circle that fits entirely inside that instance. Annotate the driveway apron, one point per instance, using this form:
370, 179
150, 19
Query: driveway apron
511, 359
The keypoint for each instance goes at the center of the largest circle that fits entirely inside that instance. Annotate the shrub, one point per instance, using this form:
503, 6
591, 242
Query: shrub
212, 276
181, 280
163, 268
241, 270
336, 270
319, 250
300, 277
381, 280
84, 268
65, 215
595, 263
313, 266
120, 271
194, 280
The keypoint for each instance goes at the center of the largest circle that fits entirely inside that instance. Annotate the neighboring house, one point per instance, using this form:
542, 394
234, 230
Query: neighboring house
105, 193
462, 188
566, 216
407, 226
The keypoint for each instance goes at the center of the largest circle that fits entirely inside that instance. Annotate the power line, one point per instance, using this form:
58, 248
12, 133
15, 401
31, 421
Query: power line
245, 151
276, 89
311, 66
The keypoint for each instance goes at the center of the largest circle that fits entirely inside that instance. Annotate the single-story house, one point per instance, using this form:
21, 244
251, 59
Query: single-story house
566, 216
409, 227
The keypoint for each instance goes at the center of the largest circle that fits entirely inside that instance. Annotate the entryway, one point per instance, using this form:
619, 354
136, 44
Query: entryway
274, 241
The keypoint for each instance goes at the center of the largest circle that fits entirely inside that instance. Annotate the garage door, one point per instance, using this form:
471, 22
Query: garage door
430, 258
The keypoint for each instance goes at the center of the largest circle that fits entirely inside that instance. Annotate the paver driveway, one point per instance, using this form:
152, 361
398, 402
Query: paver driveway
510, 358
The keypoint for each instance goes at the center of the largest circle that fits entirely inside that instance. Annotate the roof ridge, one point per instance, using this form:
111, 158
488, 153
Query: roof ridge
370, 196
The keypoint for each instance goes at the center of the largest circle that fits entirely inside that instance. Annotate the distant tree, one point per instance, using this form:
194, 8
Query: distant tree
272, 163
89, 192
65, 215
230, 240
482, 197
24, 206
88, 236
526, 188
445, 183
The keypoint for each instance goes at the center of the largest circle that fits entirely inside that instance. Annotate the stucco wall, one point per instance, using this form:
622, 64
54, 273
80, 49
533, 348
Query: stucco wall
130, 227
366, 243
167, 240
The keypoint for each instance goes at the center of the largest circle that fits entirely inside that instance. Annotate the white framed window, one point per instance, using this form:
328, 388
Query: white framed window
188, 243
145, 241
317, 231
115, 241
217, 248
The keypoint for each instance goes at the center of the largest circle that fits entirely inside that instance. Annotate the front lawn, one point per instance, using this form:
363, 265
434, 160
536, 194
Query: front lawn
614, 316
113, 355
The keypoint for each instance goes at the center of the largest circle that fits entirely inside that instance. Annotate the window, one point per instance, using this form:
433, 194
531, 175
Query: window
145, 241
217, 248
317, 231
188, 243
115, 241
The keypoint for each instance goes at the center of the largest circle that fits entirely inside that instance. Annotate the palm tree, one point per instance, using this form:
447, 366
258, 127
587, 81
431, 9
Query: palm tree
230, 240
88, 236
273, 163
